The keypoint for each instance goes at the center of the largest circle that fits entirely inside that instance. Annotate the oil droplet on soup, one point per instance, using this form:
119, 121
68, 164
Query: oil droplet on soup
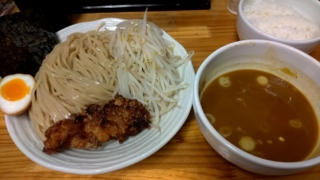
270, 116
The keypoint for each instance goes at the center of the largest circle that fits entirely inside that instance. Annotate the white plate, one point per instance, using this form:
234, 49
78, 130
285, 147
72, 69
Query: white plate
112, 155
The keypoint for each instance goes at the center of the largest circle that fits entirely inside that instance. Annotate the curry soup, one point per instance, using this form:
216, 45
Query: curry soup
261, 114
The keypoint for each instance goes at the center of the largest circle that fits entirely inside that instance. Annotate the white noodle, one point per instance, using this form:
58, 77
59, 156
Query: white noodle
134, 61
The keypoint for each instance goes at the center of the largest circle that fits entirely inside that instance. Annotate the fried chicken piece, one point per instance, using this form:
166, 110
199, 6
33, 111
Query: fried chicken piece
68, 133
118, 119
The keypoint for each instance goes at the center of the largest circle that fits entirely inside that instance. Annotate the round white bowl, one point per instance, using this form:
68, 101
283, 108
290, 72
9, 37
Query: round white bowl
309, 9
268, 56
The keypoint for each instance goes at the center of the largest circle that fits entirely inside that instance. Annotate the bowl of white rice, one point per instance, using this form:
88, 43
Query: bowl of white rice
292, 22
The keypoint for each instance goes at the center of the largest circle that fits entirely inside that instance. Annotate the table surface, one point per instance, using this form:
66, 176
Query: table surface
187, 155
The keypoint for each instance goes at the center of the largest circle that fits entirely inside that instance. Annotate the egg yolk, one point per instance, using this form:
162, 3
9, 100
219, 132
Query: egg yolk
14, 90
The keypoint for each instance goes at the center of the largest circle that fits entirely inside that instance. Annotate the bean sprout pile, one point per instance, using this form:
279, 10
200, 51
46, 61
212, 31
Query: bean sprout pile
134, 61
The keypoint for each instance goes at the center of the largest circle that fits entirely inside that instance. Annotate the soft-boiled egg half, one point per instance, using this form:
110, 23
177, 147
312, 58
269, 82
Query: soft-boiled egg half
15, 93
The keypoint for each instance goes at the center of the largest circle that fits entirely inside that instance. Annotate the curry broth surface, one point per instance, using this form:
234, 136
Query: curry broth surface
273, 113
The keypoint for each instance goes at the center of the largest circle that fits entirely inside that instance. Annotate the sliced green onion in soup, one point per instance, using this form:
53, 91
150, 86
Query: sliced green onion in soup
247, 143
211, 118
296, 123
225, 131
262, 80
224, 81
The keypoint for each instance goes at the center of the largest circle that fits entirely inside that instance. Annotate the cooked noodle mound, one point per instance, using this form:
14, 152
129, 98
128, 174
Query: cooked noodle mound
134, 61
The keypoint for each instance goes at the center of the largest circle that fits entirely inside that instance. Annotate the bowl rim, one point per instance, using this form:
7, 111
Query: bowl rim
254, 159
260, 32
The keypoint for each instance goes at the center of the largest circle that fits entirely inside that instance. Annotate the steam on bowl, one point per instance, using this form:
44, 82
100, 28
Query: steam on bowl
290, 65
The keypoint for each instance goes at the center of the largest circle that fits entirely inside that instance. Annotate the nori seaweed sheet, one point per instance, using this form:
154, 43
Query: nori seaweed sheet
26, 38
